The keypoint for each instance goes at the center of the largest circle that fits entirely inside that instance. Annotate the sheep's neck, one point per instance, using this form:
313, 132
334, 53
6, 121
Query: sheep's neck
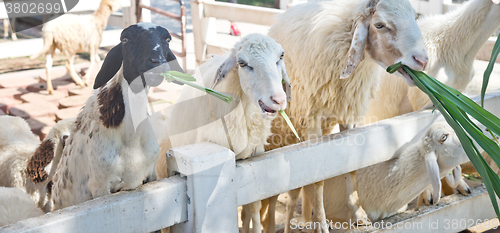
102, 14
480, 17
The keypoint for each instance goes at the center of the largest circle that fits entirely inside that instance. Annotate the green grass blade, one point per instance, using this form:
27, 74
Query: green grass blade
489, 69
463, 102
283, 114
491, 180
171, 76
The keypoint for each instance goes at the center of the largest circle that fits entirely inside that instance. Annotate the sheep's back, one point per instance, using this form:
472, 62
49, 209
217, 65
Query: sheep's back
73, 33
316, 38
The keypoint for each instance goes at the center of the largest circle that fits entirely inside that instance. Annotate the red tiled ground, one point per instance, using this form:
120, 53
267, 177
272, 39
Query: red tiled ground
24, 94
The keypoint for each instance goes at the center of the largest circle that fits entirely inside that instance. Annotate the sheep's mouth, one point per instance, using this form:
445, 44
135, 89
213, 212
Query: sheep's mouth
266, 109
409, 79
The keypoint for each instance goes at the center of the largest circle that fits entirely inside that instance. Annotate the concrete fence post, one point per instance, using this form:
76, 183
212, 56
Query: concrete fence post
210, 172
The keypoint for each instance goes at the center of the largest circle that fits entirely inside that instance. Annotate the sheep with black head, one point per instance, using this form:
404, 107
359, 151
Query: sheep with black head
112, 146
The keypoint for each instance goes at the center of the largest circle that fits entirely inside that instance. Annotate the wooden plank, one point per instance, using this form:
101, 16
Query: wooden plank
241, 13
151, 207
287, 168
453, 214
28, 47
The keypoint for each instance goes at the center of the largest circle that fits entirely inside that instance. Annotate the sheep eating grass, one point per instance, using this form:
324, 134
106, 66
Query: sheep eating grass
112, 146
255, 73
334, 50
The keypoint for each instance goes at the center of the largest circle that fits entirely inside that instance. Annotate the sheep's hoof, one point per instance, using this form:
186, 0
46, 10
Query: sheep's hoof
361, 218
51, 91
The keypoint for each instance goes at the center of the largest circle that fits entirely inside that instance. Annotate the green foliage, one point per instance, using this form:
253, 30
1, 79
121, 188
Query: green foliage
456, 109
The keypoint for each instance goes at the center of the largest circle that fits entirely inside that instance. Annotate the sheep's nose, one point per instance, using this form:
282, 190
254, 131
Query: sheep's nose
160, 60
279, 99
422, 61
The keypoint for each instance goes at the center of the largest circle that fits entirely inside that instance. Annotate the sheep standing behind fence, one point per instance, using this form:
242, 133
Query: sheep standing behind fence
112, 146
334, 50
386, 188
255, 74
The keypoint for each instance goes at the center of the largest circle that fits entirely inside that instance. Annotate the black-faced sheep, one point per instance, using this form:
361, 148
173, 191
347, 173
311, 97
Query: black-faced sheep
112, 146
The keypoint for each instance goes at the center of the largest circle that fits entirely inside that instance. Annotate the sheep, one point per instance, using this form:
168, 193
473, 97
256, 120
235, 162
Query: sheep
26, 163
384, 188
326, 42
16, 205
6, 26
73, 34
253, 72
452, 40
112, 146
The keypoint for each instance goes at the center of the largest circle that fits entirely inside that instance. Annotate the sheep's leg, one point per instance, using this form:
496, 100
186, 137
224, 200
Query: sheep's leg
255, 210
252, 211
267, 218
48, 67
13, 26
307, 193
86, 78
6, 28
319, 213
425, 198
290, 207
245, 219
463, 188
358, 213
72, 72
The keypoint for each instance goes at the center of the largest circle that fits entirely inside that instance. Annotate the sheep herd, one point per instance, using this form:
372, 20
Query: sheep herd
323, 63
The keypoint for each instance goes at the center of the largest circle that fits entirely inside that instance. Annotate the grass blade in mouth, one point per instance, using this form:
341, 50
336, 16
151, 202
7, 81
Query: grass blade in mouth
455, 107
283, 114
189, 79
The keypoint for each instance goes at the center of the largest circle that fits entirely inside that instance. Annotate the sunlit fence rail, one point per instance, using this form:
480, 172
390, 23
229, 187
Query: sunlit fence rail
207, 185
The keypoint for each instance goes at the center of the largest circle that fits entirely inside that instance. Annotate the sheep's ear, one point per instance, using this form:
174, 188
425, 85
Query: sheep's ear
433, 171
356, 50
225, 68
287, 86
110, 66
172, 62
454, 177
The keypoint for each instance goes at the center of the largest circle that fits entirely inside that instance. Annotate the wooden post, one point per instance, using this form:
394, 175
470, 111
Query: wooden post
210, 170
130, 14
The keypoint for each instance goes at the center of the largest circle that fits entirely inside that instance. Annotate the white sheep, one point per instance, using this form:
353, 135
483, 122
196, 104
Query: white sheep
386, 188
253, 73
334, 49
73, 34
112, 146
452, 41
16, 205
26, 163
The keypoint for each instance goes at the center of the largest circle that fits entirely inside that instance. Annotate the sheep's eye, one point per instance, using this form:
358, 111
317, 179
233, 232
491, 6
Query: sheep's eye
379, 25
443, 138
124, 40
242, 63
168, 40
